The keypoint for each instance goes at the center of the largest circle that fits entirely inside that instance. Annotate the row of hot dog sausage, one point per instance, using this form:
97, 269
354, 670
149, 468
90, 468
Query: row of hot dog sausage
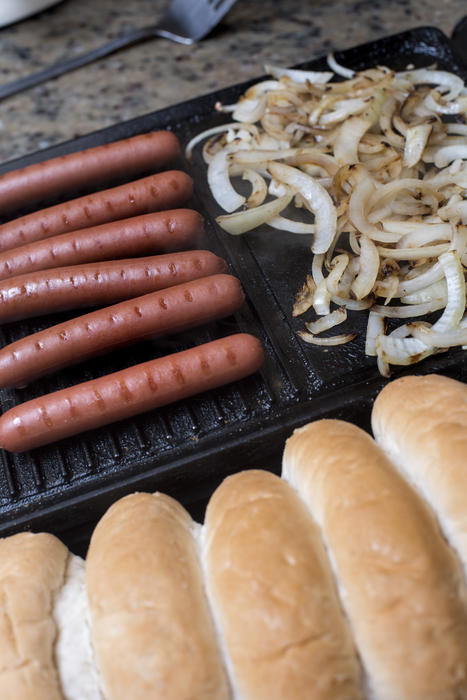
70, 256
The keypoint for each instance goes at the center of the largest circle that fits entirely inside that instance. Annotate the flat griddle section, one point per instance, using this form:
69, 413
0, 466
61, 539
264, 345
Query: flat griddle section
188, 448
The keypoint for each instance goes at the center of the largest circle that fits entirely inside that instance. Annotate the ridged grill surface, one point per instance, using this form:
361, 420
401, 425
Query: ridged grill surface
187, 448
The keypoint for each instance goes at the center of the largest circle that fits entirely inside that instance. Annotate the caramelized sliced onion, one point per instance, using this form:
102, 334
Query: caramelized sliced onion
374, 328
220, 183
401, 351
416, 139
455, 281
243, 221
438, 339
338, 68
376, 163
328, 321
369, 268
281, 223
299, 76
304, 298
409, 311
259, 188
328, 340
348, 139
317, 199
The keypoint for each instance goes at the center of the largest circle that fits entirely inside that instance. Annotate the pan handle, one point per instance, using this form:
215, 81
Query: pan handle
459, 38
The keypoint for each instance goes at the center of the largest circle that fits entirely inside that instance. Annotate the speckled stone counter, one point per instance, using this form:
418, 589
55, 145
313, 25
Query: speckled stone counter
157, 73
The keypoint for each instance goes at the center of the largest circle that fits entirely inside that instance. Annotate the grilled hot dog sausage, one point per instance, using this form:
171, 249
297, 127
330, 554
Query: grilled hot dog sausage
161, 191
131, 391
167, 311
57, 176
160, 232
98, 284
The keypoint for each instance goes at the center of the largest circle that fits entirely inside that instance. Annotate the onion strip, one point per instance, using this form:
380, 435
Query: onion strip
328, 341
243, 221
318, 200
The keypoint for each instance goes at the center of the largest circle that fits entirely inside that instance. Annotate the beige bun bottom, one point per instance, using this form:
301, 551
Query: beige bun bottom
32, 570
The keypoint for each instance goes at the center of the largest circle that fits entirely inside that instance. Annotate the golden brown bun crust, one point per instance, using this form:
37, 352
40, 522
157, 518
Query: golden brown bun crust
401, 584
421, 422
151, 626
273, 594
32, 569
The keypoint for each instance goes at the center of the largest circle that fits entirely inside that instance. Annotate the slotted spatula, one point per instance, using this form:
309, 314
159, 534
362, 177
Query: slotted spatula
185, 21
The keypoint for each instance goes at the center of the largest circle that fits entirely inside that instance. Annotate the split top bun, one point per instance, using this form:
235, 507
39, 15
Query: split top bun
421, 423
344, 579
401, 585
274, 595
152, 628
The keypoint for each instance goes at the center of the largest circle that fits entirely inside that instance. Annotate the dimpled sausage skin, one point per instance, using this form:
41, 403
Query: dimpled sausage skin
166, 190
159, 232
101, 283
159, 313
58, 176
131, 391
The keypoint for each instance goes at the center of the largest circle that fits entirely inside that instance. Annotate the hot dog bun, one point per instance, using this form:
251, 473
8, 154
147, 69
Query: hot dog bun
400, 583
273, 594
338, 584
151, 625
45, 645
421, 422
32, 570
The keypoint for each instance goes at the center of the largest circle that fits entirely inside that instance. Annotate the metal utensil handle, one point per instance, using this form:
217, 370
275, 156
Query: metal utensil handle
131, 37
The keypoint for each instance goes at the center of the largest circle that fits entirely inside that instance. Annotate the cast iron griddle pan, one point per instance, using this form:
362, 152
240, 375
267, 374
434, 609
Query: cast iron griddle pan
186, 449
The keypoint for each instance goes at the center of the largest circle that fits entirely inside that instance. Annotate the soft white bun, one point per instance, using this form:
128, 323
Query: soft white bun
151, 626
273, 595
400, 583
421, 423
32, 570
74, 655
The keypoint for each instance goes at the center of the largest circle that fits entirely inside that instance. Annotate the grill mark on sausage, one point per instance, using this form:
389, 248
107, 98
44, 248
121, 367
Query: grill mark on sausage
99, 400
178, 374
231, 356
125, 391
46, 419
73, 410
204, 365
152, 384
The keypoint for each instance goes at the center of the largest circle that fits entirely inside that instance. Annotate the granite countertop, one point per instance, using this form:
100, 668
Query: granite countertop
157, 73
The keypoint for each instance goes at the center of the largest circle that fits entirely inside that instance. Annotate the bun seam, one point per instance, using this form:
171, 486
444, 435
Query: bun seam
199, 536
